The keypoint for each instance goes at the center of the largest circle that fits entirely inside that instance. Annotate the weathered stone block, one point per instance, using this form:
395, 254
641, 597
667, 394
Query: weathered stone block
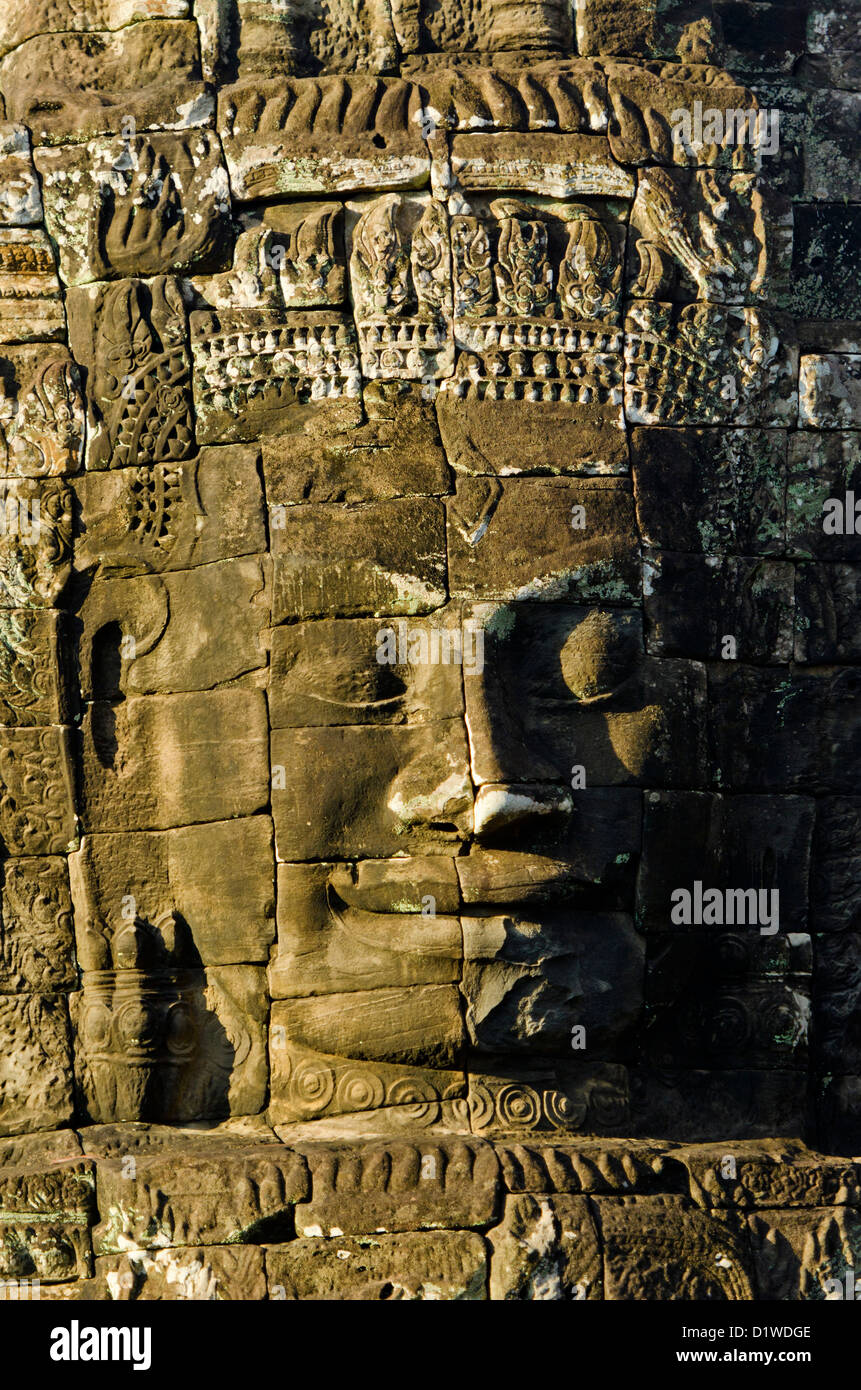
329, 943
749, 601
386, 557
103, 218
93, 92
591, 701
531, 980
688, 1104
63, 16
548, 1164
836, 986
278, 138
220, 1192
543, 539
514, 91
35, 668
644, 130
183, 631
427, 28
829, 391
771, 729
658, 1248
733, 1000
377, 1188
35, 1071
37, 949
557, 166
545, 1248
20, 199
164, 518
395, 451
823, 469
705, 363
590, 857
299, 38
643, 28
261, 371
338, 671
216, 878
178, 1045
761, 38
214, 1273
835, 890
36, 805
825, 266
747, 841
419, 1026
215, 750
46, 1208
439, 1266
830, 168
803, 1255
727, 489
826, 602
313, 1086
36, 535
132, 338
31, 305
541, 1096
768, 1173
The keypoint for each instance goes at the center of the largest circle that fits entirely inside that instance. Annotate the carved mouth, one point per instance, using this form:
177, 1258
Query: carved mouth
507, 878
502, 880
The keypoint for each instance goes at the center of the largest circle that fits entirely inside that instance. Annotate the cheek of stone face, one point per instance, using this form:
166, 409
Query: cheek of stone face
354, 792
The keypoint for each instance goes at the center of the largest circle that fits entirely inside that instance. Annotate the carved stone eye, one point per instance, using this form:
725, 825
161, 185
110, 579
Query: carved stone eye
597, 656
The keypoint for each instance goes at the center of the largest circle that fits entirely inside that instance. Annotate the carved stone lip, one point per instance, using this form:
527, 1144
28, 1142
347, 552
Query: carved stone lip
438, 935
497, 881
511, 878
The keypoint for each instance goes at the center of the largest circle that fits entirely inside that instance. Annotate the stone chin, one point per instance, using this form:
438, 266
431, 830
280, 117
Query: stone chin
406, 976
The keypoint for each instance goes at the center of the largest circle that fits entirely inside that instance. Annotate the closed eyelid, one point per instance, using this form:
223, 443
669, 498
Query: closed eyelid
340, 683
352, 704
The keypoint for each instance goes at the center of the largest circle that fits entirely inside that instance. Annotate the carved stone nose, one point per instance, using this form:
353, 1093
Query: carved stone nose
499, 805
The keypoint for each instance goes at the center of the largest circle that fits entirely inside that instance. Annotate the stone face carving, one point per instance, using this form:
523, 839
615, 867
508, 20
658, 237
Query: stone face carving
428, 560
